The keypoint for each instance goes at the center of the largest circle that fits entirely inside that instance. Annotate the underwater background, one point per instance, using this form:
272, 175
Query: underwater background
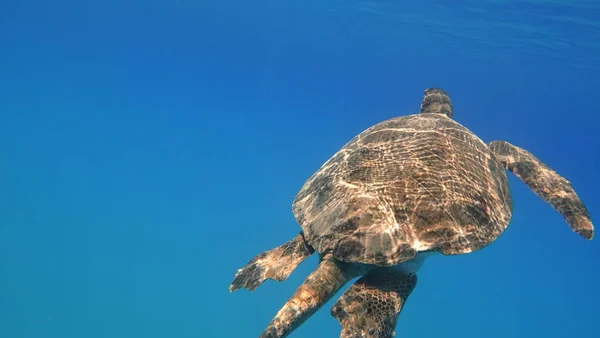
149, 149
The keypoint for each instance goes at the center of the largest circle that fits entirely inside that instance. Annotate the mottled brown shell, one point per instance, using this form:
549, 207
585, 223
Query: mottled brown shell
406, 185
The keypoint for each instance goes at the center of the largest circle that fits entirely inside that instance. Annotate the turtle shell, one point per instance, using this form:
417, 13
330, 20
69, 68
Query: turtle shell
410, 184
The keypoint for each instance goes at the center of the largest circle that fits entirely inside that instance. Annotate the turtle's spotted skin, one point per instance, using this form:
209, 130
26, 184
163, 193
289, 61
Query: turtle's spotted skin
409, 184
370, 307
401, 190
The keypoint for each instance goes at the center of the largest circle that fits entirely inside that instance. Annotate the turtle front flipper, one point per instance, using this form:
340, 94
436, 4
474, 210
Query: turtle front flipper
372, 305
547, 184
276, 264
316, 290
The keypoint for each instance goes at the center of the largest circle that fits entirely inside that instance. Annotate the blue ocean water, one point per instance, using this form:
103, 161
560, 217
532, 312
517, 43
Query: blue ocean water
149, 149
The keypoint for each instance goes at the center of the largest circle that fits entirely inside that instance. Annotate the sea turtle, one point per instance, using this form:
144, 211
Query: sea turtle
401, 190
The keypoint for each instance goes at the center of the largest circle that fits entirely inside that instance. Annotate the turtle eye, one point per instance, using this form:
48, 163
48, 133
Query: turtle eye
371, 331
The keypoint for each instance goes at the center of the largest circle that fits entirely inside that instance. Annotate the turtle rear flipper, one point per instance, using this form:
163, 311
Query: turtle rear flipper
371, 306
317, 289
547, 184
276, 264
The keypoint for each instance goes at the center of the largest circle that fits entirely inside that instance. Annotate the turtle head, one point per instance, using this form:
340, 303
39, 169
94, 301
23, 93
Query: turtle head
436, 101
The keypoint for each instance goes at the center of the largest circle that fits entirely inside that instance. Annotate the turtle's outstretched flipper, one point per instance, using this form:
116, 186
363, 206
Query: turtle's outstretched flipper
547, 184
371, 306
276, 264
317, 289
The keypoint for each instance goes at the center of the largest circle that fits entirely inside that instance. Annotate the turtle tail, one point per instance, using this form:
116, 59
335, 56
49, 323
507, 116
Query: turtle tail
547, 184
276, 264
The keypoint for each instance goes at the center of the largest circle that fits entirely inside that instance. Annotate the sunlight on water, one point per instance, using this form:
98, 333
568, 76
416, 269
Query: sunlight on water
516, 29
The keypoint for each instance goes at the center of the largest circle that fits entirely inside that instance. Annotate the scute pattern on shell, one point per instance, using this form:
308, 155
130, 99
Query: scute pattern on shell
409, 184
